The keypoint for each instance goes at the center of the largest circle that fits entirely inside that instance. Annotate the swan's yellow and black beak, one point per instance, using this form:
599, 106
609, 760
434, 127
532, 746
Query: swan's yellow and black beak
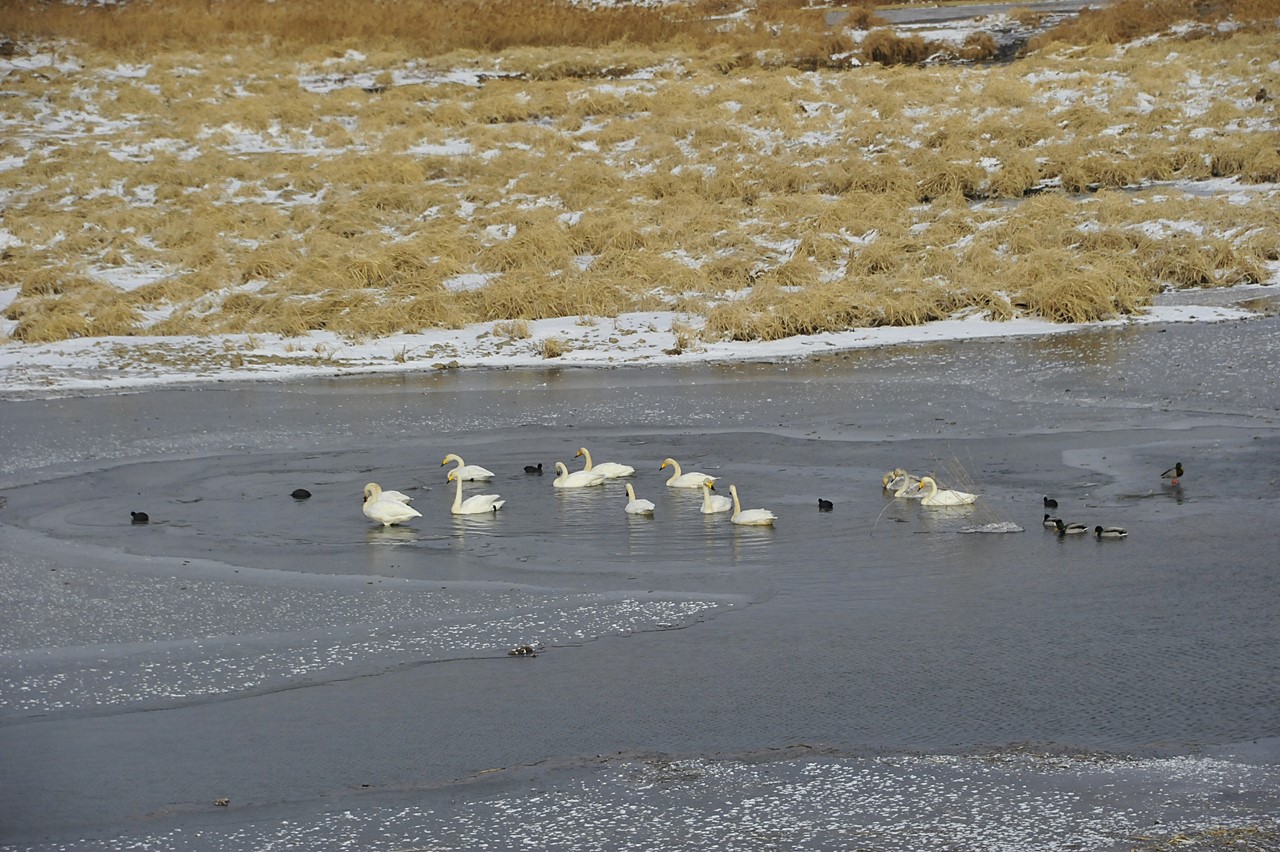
443, 463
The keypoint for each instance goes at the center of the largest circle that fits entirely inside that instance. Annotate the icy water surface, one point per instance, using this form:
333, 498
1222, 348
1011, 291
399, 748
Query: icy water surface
861, 678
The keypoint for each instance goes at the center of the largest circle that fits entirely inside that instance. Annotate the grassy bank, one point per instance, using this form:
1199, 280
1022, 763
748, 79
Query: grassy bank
265, 172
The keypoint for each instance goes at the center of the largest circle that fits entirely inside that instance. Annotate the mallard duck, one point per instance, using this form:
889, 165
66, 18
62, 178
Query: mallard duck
1070, 529
1110, 532
1051, 522
1173, 474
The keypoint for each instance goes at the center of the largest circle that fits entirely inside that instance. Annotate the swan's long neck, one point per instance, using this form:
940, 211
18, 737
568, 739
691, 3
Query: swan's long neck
631, 492
561, 470
706, 496
676, 467
906, 483
373, 492
733, 492
933, 487
457, 495
586, 454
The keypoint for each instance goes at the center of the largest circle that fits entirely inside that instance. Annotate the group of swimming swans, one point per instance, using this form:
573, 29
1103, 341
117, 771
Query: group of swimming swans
392, 507
925, 489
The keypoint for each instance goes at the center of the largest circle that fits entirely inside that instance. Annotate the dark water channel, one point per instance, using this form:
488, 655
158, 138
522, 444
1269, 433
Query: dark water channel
348, 686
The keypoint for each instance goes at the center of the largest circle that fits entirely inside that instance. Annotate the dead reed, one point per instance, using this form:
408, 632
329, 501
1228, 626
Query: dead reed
369, 185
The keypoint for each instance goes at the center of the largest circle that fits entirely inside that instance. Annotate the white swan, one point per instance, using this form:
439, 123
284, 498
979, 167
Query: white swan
468, 472
904, 484
385, 510
577, 479
934, 497
398, 496
749, 517
713, 503
611, 470
637, 507
683, 480
478, 504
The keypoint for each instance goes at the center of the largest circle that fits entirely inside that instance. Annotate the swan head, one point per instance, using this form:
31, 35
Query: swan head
666, 462
709, 483
371, 491
452, 457
452, 476
582, 451
561, 469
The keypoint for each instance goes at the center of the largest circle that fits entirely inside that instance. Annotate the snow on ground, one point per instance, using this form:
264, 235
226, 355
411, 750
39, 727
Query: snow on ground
638, 339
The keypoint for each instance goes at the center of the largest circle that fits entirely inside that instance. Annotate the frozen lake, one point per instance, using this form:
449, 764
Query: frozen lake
869, 677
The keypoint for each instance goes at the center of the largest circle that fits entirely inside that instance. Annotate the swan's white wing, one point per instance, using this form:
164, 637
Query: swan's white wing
717, 503
640, 507
480, 503
754, 517
388, 512
398, 496
613, 470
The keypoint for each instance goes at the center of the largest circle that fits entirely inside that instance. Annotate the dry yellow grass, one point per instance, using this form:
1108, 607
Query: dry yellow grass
338, 182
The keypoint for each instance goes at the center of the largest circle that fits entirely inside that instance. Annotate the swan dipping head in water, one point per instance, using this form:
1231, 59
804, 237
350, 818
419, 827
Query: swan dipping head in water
386, 511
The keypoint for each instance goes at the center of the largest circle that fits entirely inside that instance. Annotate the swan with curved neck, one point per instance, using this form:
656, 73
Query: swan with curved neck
477, 504
749, 517
713, 503
934, 497
468, 472
682, 480
904, 484
577, 479
611, 470
636, 506
385, 510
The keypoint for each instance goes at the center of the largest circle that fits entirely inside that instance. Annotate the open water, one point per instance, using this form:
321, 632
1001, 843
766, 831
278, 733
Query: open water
248, 671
